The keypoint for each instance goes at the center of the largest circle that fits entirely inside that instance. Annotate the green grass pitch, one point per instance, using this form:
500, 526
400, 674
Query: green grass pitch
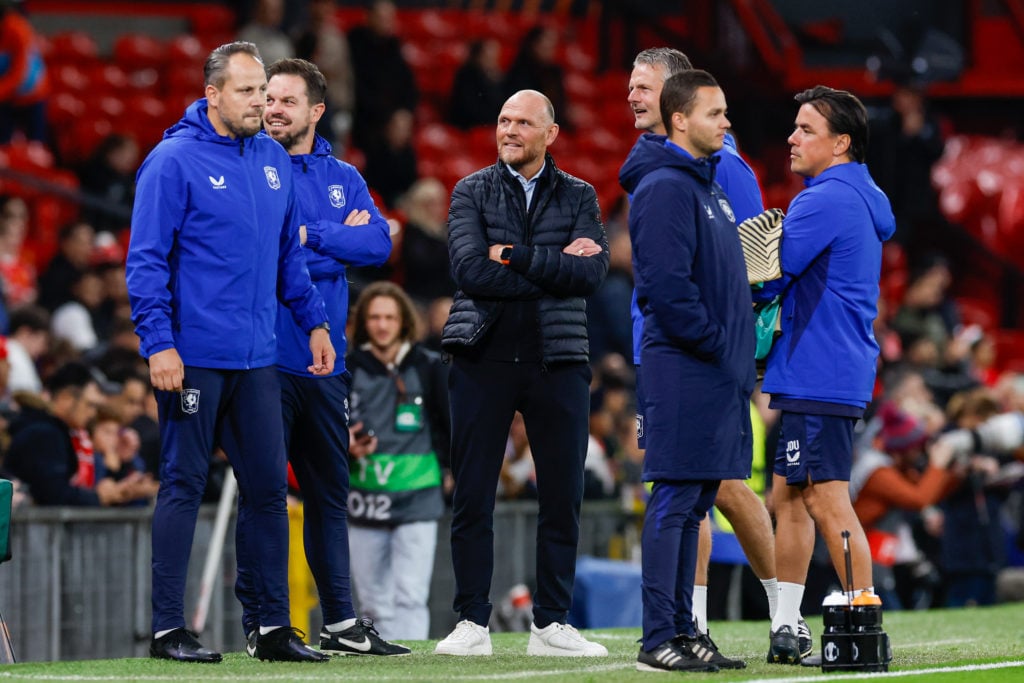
979, 645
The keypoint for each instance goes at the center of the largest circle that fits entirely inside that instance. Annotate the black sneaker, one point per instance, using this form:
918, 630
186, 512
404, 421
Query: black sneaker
785, 647
703, 645
670, 657
285, 645
250, 642
359, 639
181, 645
804, 638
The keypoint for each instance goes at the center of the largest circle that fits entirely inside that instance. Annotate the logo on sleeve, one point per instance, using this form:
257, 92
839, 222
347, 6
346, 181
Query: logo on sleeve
218, 183
190, 401
273, 179
709, 212
336, 193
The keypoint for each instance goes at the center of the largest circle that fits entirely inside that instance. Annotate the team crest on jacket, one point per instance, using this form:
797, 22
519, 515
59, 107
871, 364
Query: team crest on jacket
336, 193
724, 203
190, 401
273, 179
709, 212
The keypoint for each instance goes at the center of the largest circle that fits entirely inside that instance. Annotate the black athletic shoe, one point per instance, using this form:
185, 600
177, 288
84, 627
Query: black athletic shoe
785, 647
359, 639
181, 645
250, 642
803, 636
285, 645
703, 645
671, 657
811, 661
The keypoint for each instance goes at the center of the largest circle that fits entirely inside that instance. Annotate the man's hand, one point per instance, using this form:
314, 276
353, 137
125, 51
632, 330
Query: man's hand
360, 442
358, 217
583, 246
494, 252
323, 352
166, 371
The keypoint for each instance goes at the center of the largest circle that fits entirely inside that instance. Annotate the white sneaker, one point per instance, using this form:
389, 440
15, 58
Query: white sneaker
562, 640
468, 638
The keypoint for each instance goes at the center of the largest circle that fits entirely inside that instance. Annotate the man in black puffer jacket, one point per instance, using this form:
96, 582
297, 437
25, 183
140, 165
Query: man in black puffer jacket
526, 245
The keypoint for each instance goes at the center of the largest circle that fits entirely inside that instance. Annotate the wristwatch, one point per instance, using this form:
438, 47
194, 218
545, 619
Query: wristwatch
322, 326
506, 254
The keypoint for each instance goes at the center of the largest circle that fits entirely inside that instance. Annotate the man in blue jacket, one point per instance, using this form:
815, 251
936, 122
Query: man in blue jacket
340, 225
697, 355
821, 371
214, 244
735, 500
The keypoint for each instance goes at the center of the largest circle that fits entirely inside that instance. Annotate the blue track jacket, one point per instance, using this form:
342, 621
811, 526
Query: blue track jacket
214, 244
698, 340
326, 191
734, 176
831, 261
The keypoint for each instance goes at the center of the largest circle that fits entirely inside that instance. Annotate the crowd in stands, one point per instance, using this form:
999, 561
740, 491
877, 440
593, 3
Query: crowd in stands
77, 414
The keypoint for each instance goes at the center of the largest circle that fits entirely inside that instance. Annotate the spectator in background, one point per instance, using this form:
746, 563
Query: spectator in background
436, 316
887, 483
383, 80
116, 449
906, 140
16, 269
23, 82
972, 539
74, 320
391, 160
608, 309
265, 31
535, 68
50, 450
322, 42
28, 340
108, 176
399, 414
478, 89
73, 256
425, 242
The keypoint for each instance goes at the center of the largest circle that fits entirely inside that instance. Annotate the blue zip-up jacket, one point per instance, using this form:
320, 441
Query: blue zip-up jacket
326, 191
735, 176
831, 257
214, 244
698, 338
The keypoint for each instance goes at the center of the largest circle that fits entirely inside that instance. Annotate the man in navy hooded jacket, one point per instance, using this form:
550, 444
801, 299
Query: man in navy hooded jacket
214, 245
697, 353
340, 225
821, 371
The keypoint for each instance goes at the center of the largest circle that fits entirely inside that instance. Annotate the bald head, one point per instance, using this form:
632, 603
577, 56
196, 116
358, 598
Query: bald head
533, 98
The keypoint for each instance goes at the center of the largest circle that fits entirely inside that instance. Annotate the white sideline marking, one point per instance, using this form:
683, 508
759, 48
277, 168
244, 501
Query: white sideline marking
892, 674
525, 674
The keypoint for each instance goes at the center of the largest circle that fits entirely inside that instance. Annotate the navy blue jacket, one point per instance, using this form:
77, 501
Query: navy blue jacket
214, 245
698, 342
326, 191
831, 257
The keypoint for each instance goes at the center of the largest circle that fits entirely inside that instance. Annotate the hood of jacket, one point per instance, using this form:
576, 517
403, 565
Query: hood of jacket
650, 153
856, 176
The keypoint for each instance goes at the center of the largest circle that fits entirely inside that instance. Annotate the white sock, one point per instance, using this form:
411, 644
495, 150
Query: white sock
339, 626
771, 589
264, 630
700, 608
788, 611
161, 634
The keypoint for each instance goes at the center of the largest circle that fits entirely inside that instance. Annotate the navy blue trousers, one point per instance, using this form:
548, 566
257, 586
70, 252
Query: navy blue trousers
669, 557
555, 404
239, 410
315, 417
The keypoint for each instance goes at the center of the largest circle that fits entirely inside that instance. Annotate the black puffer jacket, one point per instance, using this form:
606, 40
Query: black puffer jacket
489, 207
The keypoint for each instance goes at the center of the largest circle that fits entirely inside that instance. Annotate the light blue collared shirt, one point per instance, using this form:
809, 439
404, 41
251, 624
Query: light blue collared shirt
528, 185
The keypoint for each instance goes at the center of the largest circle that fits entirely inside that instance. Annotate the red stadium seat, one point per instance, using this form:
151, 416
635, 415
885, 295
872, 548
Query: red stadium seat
73, 47
976, 311
183, 50
133, 51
